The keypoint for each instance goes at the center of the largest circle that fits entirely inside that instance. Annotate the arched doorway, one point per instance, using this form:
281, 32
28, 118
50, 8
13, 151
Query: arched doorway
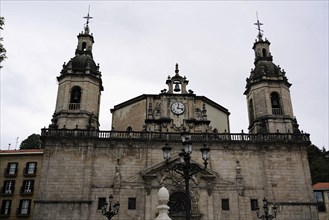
177, 204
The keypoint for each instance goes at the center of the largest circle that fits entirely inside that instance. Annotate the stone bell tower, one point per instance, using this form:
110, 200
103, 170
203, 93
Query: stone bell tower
177, 83
79, 88
268, 95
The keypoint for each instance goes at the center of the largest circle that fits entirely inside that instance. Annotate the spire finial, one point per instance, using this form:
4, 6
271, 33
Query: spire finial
258, 27
176, 69
87, 18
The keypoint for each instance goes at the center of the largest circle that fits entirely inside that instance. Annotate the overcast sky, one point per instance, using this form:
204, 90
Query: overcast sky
137, 44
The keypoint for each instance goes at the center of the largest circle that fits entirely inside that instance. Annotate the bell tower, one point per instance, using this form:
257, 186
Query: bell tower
79, 88
268, 95
177, 83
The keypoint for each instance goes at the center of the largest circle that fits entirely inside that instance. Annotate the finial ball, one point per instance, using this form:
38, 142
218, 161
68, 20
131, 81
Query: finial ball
163, 194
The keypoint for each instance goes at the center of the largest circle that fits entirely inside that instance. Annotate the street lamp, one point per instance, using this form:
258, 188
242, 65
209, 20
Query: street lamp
185, 167
113, 208
267, 215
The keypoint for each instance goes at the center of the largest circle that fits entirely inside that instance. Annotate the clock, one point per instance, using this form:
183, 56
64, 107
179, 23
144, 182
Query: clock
177, 108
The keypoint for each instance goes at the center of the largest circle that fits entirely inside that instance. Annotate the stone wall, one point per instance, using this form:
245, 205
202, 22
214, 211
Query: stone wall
76, 172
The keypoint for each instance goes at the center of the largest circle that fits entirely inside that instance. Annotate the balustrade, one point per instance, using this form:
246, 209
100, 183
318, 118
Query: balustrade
276, 111
166, 136
74, 106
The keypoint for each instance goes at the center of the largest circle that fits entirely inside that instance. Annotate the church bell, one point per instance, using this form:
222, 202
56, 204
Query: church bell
177, 88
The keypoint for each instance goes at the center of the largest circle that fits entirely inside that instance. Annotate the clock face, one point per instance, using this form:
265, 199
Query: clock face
177, 108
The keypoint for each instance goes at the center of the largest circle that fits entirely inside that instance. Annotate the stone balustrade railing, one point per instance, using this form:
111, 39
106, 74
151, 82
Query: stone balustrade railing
173, 136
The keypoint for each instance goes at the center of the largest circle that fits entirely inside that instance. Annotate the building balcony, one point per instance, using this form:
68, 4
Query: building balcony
7, 192
4, 216
26, 174
74, 106
7, 174
22, 212
6, 213
26, 192
277, 111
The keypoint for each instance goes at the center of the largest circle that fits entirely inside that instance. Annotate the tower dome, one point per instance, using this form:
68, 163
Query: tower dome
81, 63
266, 68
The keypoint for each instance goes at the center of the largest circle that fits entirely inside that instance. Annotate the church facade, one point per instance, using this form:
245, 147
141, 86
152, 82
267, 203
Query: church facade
83, 165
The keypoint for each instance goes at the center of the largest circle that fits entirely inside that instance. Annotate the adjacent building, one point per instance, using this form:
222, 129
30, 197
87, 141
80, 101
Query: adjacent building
321, 194
19, 181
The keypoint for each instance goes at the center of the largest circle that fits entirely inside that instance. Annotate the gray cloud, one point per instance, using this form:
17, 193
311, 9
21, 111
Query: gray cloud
138, 43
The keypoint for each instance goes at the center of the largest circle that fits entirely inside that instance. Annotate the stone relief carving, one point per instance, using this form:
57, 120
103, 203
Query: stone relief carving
197, 113
150, 111
239, 179
157, 112
204, 112
117, 179
170, 177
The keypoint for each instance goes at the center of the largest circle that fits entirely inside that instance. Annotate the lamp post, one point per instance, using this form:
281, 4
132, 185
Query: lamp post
113, 208
185, 167
267, 215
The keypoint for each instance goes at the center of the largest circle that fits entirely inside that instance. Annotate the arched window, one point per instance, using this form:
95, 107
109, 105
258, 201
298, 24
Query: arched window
84, 46
251, 111
75, 99
129, 129
264, 52
275, 103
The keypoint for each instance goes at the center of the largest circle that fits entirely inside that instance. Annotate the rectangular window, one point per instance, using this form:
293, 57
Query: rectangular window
11, 169
101, 202
30, 168
318, 196
225, 204
8, 187
132, 203
24, 207
27, 186
254, 204
5, 207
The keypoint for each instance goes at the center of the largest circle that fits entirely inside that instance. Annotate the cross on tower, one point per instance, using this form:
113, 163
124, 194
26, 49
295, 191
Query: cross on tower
258, 27
88, 17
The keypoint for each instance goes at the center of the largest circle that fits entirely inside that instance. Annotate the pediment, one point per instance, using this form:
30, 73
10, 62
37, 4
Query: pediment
163, 174
165, 165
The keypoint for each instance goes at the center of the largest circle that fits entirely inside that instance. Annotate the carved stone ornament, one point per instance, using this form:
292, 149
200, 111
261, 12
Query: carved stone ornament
117, 179
148, 182
210, 179
239, 179
160, 175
